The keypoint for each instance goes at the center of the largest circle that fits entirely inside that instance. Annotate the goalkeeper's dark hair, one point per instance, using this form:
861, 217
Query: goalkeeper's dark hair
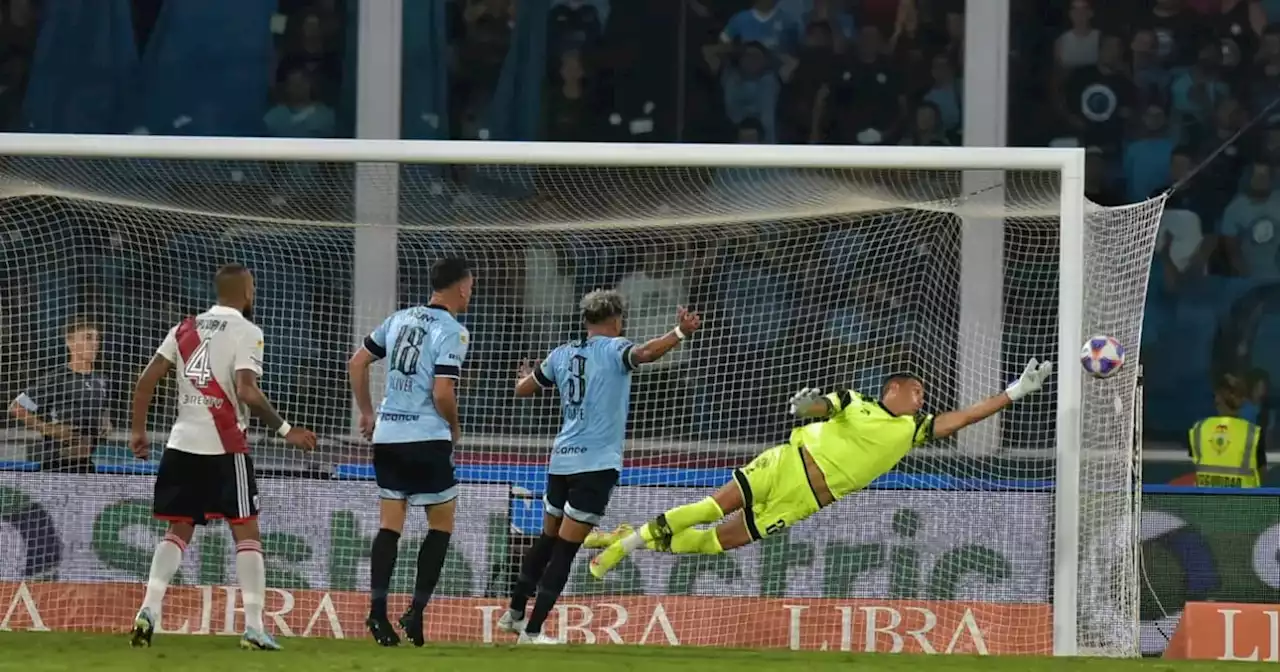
448, 272
81, 323
600, 305
900, 377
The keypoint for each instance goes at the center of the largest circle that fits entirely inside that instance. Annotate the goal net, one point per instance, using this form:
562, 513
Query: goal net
805, 276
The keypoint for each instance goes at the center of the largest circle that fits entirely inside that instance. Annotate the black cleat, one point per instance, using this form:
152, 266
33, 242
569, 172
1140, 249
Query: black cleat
382, 632
411, 623
143, 627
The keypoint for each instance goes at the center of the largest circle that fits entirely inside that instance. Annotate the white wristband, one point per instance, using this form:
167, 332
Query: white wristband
679, 334
283, 429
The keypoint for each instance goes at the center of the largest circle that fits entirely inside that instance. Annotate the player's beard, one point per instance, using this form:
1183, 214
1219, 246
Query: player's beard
248, 312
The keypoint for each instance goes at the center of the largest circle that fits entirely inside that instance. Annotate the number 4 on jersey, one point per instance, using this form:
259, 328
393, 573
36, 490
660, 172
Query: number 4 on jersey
198, 369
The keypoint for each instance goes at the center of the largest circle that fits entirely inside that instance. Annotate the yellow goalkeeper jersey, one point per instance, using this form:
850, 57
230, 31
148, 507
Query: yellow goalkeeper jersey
860, 441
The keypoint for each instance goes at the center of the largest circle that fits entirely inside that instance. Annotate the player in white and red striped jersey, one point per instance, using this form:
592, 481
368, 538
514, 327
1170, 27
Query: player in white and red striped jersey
205, 472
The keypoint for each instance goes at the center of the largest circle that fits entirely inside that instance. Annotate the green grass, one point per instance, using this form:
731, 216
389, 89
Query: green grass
41, 652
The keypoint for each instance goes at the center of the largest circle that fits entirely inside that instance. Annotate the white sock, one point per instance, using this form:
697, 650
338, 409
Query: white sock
633, 541
251, 571
164, 564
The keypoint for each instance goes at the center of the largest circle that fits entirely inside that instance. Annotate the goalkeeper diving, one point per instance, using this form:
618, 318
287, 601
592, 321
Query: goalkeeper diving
857, 439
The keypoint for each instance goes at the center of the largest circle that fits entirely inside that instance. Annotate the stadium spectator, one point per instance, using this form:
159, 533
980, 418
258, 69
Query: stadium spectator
835, 15
1098, 184
1098, 99
1197, 90
1150, 75
926, 128
68, 406
19, 27
765, 24
1265, 83
1250, 226
866, 103
751, 88
1196, 206
571, 109
1078, 46
1147, 156
1239, 24
947, 93
804, 77
487, 29
299, 114
310, 48
573, 25
1176, 31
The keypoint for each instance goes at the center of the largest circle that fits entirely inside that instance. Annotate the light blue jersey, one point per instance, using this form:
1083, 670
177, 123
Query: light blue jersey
594, 379
421, 344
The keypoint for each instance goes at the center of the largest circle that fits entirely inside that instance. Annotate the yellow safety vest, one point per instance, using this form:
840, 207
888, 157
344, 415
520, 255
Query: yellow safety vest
1225, 451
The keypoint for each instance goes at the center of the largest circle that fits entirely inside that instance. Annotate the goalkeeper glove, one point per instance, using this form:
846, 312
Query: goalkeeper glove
1031, 380
804, 398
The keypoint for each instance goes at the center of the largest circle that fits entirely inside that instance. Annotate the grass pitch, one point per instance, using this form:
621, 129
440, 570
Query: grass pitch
49, 652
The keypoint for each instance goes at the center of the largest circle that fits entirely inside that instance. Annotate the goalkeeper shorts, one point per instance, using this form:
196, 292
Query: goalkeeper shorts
776, 493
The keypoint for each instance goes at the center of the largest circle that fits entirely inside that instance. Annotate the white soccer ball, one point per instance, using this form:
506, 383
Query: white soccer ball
1102, 356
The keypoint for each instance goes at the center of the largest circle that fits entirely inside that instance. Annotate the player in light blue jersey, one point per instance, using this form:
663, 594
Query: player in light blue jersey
593, 375
413, 434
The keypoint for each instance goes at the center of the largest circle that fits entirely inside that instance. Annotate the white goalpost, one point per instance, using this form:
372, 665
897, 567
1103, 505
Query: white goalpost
812, 265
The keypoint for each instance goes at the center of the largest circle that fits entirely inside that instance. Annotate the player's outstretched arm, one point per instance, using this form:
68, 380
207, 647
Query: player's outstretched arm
810, 403
686, 323
251, 395
527, 383
1031, 380
156, 370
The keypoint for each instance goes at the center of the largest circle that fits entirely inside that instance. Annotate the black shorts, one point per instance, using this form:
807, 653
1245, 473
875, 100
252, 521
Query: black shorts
196, 489
582, 497
420, 472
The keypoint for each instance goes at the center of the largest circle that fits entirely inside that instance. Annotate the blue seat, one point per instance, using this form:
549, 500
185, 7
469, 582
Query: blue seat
207, 68
84, 63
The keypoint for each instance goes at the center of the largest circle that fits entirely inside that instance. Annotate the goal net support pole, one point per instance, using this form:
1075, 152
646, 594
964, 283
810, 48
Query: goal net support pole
377, 193
377, 185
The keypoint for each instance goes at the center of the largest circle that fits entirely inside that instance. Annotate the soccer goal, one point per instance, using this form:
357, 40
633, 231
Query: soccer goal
812, 266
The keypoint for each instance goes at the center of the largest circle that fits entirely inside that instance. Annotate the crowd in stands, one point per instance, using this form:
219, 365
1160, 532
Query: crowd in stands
1152, 88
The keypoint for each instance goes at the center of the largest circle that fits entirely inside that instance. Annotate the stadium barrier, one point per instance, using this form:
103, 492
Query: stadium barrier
1227, 631
1199, 545
885, 626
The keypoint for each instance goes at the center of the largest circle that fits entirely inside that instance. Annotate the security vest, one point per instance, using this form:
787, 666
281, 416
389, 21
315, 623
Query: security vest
1225, 452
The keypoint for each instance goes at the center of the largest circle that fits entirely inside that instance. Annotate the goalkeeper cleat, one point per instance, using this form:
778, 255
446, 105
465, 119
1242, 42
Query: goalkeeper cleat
512, 624
539, 639
382, 632
657, 534
144, 625
599, 538
606, 560
257, 640
411, 623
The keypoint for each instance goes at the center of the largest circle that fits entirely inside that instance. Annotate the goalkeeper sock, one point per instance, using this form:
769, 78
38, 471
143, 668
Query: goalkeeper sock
164, 564
697, 542
251, 572
430, 561
553, 581
382, 561
682, 518
531, 568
